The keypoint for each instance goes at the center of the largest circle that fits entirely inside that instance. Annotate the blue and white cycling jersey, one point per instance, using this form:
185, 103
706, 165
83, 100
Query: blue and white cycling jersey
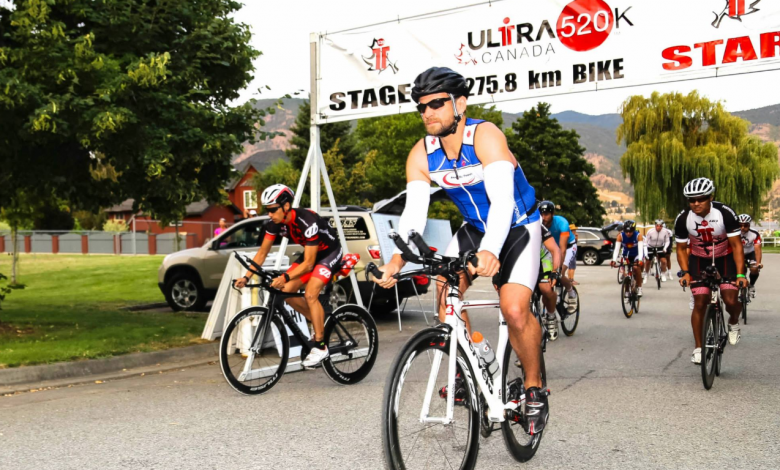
464, 181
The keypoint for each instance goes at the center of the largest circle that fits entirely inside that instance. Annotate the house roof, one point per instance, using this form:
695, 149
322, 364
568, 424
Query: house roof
196, 208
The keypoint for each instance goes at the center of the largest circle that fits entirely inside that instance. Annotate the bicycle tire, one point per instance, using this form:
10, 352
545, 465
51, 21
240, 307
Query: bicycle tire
569, 321
404, 375
709, 337
525, 450
230, 362
657, 272
723, 338
625, 298
744, 297
357, 323
620, 274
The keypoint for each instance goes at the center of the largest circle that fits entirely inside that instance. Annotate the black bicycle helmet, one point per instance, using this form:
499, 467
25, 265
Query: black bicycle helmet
547, 207
629, 225
439, 80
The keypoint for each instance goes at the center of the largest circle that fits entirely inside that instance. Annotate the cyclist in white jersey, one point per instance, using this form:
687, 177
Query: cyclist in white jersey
659, 240
751, 245
471, 161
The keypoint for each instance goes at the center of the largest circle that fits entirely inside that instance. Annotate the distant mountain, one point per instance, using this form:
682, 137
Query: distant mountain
606, 121
766, 115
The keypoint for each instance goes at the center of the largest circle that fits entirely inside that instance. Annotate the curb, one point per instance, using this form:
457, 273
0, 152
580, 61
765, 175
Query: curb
67, 370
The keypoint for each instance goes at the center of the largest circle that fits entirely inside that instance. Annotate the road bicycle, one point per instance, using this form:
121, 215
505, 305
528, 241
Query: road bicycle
255, 346
421, 428
628, 295
655, 254
570, 318
744, 293
714, 332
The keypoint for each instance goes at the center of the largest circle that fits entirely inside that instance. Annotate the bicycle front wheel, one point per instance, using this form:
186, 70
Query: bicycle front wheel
353, 342
519, 443
744, 299
569, 321
709, 350
626, 298
657, 273
620, 275
410, 444
253, 365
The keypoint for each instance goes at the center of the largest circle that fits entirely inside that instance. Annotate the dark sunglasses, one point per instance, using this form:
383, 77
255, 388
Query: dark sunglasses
694, 200
434, 104
271, 210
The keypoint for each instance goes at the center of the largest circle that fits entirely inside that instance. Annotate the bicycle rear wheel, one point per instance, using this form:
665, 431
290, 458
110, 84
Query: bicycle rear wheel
626, 299
249, 368
410, 444
709, 350
519, 443
569, 321
353, 342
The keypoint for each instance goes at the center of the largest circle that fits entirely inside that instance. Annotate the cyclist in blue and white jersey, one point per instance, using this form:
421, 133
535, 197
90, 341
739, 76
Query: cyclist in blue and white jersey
559, 228
630, 244
470, 160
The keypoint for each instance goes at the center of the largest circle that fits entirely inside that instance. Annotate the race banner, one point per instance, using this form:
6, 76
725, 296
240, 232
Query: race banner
520, 49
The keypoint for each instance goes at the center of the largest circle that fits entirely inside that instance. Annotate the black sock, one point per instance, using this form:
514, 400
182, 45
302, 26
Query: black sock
319, 343
753, 279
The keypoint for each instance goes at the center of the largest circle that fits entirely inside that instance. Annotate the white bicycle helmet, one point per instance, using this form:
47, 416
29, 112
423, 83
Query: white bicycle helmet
276, 194
744, 219
699, 187
659, 221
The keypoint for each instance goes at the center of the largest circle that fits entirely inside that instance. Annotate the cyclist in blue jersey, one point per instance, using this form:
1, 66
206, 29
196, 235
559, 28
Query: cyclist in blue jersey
559, 228
470, 160
630, 244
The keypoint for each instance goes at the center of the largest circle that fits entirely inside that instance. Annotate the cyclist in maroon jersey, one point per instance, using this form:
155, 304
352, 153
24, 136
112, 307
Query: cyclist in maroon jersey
320, 260
711, 231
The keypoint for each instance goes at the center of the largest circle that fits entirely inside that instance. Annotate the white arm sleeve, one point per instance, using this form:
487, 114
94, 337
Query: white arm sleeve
415, 215
499, 185
617, 251
667, 240
642, 253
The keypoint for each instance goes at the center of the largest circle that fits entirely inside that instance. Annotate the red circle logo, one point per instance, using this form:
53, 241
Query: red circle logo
704, 223
585, 24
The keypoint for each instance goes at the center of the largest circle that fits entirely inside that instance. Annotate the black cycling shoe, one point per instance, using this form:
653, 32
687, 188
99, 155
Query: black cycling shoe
537, 410
460, 391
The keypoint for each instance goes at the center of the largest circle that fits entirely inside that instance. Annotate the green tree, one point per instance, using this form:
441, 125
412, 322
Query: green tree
329, 134
552, 160
116, 99
673, 138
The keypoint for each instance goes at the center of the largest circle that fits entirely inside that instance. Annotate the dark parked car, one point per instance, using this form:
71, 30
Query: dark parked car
594, 245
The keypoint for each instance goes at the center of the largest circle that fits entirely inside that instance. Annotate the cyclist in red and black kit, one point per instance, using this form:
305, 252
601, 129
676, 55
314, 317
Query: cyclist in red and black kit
711, 231
321, 258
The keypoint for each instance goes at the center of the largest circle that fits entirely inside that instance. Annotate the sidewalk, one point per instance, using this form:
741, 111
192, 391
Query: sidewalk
19, 379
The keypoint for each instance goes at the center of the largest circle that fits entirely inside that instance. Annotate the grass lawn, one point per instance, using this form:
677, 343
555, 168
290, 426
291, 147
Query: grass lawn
70, 309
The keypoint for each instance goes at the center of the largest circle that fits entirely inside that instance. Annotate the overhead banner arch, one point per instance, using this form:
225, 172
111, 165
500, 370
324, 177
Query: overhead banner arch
520, 49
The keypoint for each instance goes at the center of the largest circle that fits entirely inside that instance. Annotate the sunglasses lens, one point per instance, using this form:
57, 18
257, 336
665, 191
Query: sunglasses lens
433, 104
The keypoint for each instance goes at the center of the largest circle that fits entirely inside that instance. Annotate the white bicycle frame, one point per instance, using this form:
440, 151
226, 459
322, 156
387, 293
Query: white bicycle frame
491, 390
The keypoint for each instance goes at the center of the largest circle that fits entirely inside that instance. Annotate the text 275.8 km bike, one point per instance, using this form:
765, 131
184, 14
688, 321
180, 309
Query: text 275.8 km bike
440, 395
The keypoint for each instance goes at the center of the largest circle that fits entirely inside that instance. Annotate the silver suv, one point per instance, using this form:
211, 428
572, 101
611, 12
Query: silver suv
190, 278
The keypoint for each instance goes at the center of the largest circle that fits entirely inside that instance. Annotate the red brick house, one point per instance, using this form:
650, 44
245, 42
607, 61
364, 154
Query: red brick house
203, 217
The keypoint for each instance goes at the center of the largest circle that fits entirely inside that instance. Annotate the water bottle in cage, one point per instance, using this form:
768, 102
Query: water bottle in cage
486, 355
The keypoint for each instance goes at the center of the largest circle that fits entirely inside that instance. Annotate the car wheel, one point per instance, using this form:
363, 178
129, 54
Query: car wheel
340, 295
184, 292
590, 257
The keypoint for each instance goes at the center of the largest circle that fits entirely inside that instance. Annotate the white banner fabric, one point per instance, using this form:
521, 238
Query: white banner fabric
517, 49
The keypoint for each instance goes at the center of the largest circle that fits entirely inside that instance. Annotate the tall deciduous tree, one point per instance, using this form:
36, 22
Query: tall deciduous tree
101, 101
552, 160
673, 138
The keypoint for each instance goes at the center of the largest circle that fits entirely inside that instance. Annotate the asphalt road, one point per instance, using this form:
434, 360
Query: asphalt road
625, 395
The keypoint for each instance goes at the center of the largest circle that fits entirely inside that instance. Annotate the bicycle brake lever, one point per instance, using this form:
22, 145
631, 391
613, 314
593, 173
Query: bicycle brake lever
406, 253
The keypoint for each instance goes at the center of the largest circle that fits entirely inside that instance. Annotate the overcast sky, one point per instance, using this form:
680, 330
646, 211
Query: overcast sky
281, 30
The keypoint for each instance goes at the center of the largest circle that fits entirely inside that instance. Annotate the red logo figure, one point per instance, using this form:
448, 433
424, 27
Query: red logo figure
735, 9
379, 61
464, 56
